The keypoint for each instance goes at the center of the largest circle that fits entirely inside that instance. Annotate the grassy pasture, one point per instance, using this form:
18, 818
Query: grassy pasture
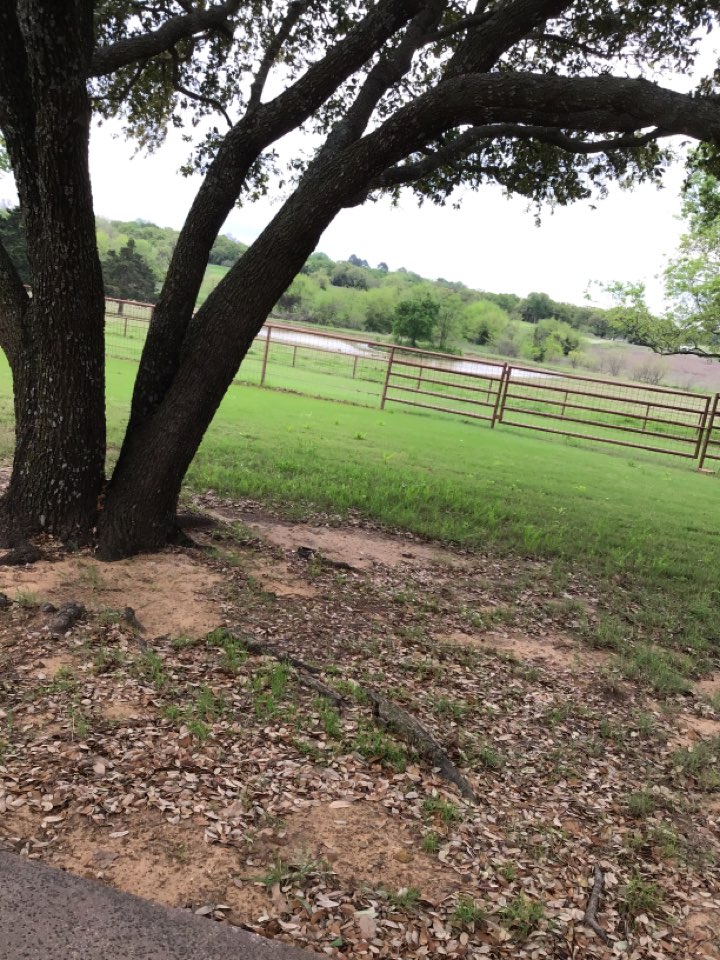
645, 532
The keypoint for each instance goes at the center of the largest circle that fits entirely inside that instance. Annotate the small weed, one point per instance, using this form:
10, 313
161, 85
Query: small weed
207, 706
90, 576
173, 712
508, 872
450, 708
273, 678
330, 718
489, 757
610, 731
151, 667
663, 670
350, 689
79, 725
645, 724
404, 899
183, 642
431, 842
374, 744
701, 763
107, 659
642, 804
639, 896
609, 634
468, 912
108, 618
198, 729
64, 681
521, 916
445, 809
295, 873
306, 749
27, 599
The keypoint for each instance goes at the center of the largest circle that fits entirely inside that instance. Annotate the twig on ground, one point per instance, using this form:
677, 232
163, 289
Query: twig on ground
591, 913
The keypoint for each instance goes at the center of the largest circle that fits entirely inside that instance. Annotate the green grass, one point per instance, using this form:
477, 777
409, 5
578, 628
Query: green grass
645, 530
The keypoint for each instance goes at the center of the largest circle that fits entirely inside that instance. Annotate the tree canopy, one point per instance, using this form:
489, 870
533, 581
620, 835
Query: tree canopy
691, 322
552, 99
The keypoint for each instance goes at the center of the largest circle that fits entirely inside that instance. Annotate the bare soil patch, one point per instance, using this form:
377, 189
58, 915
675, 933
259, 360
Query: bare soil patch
709, 687
187, 767
554, 649
360, 548
169, 592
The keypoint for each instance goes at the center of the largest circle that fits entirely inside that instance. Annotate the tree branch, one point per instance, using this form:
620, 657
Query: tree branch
388, 71
192, 95
294, 12
110, 58
468, 141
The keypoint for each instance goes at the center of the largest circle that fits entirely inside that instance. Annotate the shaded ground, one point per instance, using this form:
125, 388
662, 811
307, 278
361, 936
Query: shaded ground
172, 764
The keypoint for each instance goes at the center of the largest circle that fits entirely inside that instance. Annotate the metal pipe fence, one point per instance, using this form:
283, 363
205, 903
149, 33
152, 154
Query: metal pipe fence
340, 367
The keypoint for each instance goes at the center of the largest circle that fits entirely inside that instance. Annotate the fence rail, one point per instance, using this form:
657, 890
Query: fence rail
657, 419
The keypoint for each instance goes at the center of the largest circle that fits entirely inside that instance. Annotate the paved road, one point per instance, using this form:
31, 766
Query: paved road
46, 914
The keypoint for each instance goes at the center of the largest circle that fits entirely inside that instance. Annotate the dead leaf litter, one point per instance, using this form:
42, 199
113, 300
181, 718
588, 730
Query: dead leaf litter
175, 764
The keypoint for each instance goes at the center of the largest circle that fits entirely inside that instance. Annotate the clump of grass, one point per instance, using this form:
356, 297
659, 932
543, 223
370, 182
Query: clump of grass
450, 708
376, 745
234, 654
207, 705
295, 872
199, 729
79, 724
329, 718
489, 757
108, 659
108, 618
642, 804
445, 809
27, 599
666, 672
639, 896
404, 899
151, 667
610, 633
468, 912
700, 763
431, 842
521, 916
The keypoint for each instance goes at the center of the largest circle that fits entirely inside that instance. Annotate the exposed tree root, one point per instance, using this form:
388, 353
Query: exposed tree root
590, 918
391, 716
412, 731
67, 616
21, 555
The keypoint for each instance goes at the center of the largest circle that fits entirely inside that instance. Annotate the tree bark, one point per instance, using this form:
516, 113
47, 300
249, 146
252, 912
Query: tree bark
59, 367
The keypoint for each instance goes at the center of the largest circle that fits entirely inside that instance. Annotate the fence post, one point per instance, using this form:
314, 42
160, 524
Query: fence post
387, 378
294, 354
701, 426
710, 423
355, 360
265, 355
501, 395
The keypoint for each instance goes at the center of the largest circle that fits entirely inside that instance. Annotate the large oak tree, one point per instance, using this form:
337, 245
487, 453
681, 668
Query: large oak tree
552, 99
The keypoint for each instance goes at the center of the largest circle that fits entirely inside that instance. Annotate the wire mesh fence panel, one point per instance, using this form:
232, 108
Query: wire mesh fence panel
125, 336
710, 449
438, 382
625, 414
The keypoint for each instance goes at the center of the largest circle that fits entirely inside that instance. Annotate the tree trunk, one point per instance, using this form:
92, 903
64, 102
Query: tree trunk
58, 467
58, 367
